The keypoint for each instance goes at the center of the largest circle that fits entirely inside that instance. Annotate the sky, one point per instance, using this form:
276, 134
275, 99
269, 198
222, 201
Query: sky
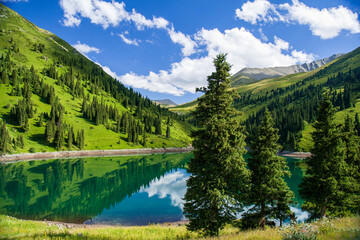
164, 49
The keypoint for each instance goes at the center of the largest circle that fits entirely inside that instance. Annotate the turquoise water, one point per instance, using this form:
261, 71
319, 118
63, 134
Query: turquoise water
126, 190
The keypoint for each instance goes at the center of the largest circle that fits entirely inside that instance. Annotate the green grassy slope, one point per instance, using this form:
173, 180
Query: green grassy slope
18, 37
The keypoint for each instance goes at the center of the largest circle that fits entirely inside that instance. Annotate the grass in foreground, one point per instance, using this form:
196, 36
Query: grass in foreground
11, 228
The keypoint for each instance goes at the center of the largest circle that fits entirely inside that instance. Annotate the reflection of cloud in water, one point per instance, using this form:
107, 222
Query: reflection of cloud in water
300, 215
172, 184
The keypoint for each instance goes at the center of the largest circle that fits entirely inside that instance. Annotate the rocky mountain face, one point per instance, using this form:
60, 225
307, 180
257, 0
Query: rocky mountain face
274, 72
165, 103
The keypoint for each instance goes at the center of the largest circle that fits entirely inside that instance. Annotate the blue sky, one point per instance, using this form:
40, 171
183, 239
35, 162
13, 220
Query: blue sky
164, 48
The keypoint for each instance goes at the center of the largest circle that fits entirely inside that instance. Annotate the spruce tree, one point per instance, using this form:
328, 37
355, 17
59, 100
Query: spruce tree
218, 170
4, 138
322, 186
144, 142
269, 194
167, 132
357, 124
70, 138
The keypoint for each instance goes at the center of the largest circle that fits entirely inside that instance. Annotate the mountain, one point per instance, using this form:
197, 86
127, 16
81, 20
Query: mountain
165, 103
249, 75
54, 98
293, 99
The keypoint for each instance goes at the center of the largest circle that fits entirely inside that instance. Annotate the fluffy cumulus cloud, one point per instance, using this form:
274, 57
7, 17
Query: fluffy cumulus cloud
243, 48
188, 45
84, 48
326, 23
254, 11
106, 14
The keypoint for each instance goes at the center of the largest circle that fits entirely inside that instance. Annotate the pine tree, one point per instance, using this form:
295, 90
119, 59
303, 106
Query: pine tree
70, 138
322, 185
59, 136
357, 124
26, 125
4, 138
218, 170
80, 139
167, 132
158, 126
269, 193
144, 142
50, 130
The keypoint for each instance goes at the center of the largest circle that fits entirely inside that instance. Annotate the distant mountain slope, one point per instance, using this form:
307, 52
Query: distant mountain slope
53, 97
250, 75
165, 103
293, 99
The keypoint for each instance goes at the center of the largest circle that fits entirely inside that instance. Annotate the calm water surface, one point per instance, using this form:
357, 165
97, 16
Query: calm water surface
126, 190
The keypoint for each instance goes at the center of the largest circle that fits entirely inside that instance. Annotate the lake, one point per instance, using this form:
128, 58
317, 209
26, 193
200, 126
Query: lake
117, 190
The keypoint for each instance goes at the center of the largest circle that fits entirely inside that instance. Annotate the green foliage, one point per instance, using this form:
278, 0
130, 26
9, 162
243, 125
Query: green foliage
4, 138
323, 185
167, 132
269, 193
219, 175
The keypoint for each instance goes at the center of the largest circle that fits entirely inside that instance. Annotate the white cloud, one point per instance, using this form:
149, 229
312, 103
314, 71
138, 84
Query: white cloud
303, 57
325, 23
184, 40
244, 50
262, 35
254, 11
84, 48
172, 185
106, 14
129, 41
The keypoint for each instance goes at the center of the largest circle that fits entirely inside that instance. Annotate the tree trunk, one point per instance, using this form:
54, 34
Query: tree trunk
323, 209
262, 216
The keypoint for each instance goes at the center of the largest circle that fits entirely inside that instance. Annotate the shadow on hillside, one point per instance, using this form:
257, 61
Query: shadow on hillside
41, 139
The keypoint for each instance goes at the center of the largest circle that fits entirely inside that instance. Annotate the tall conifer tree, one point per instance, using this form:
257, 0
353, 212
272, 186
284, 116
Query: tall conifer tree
322, 186
269, 193
218, 170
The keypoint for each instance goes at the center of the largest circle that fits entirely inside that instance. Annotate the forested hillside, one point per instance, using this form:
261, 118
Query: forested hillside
54, 98
293, 99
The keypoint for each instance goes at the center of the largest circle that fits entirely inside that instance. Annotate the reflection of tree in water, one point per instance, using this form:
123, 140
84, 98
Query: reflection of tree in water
16, 189
64, 194
3, 179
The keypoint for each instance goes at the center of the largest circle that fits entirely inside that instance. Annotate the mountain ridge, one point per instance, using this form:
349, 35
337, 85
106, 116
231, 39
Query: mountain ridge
249, 75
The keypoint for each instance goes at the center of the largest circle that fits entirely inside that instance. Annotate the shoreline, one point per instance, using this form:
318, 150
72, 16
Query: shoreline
7, 158
299, 155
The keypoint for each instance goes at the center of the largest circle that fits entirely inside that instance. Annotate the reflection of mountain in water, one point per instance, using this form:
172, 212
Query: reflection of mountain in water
75, 190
